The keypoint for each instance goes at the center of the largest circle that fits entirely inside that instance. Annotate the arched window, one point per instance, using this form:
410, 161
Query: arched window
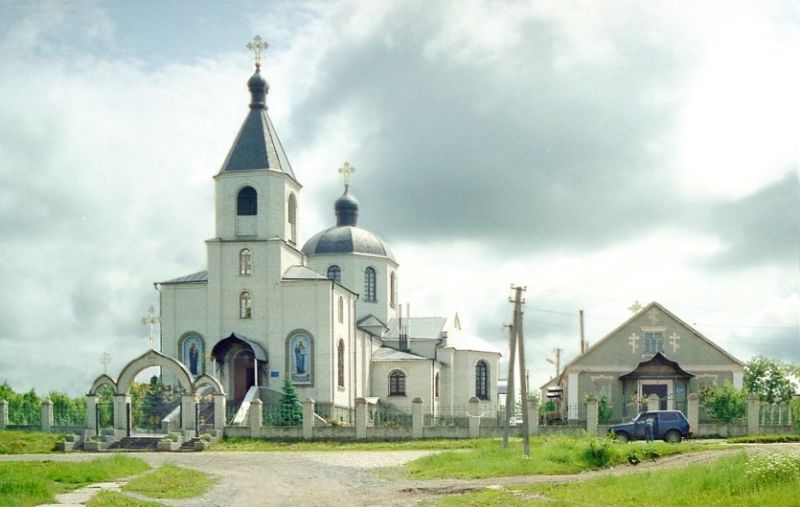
397, 383
369, 285
340, 363
436, 385
292, 212
392, 289
245, 262
245, 305
247, 202
341, 310
335, 274
482, 380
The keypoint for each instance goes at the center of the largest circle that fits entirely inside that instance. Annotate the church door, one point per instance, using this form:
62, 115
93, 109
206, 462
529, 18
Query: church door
659, 390
243, 374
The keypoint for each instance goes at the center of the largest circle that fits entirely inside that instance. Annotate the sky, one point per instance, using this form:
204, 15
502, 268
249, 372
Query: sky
598, 153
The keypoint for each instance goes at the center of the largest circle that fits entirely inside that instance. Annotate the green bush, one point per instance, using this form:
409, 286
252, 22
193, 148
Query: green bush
599, 453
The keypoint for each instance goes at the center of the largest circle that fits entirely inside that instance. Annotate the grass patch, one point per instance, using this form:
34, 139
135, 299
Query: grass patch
549, 456
764, 439
171, 481
115, 499
733, 480
257, 444
33, 483
27, 442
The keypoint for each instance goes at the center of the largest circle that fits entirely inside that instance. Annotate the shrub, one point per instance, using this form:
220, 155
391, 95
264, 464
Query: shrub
599, 453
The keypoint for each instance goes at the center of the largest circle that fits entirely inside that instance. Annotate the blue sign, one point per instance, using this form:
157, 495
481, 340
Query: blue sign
274, 373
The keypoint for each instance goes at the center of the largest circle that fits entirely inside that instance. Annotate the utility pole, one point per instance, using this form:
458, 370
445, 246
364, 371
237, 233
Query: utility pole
557, 362
522, 380
511, 397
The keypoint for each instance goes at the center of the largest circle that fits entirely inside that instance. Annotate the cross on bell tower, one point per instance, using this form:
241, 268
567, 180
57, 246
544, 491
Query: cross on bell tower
257, 45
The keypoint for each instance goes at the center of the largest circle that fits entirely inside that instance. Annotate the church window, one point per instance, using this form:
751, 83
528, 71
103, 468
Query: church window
436, 385
654, 342
245, 262
292, 212
393, 289
340, 363
247, 202
245, 305
341, 310
397, 383
369, 285
482, 380
335, 274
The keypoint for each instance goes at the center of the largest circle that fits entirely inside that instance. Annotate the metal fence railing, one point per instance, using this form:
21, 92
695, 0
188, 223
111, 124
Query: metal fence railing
282, 415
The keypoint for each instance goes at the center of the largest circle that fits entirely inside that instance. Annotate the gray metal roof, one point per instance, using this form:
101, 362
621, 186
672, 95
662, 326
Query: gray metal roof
199, 277
390, 354
347, 239
257, 145
298, 272
418, 327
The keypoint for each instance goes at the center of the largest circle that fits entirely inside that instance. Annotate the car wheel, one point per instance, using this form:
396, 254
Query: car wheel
621, 436
673, 437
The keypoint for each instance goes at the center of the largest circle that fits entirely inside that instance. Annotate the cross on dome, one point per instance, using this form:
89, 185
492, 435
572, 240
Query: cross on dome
346, 170
257, 45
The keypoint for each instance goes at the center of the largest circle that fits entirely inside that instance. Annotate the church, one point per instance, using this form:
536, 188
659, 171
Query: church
325, 315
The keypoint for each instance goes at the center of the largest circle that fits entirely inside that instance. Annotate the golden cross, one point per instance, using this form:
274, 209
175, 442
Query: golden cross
635, 307
346, 170
257, 46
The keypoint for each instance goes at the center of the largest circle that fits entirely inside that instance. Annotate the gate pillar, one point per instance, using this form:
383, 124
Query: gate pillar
121, 421
188, 415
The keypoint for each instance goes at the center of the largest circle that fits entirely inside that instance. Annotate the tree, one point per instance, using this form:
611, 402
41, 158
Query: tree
726, 404
768, 379
289, 411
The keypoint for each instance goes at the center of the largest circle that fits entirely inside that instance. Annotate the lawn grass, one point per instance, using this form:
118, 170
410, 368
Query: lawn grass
727, 481
549, 456
33, 483
764, 439
258, 444
27, 442
171, 481
115, 499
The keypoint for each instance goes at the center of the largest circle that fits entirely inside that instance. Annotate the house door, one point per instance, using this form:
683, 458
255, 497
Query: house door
243, 374
659, 390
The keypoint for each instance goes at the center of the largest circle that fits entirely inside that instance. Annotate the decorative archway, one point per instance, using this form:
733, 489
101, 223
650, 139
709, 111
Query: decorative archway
147, 360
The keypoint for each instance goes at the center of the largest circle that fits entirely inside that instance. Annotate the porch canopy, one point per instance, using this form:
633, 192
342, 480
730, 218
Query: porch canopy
222, 347
657, 367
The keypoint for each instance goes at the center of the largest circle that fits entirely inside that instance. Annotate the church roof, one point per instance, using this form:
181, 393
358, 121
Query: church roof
199, 277
298, 272
390, 354
418, 327
657, 366
257, 145
460, 340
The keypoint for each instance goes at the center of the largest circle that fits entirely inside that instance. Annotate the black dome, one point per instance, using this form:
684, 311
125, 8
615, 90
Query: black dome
259, 88
347, 239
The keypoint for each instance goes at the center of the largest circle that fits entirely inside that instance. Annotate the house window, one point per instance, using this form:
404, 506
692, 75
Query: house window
392, 289
292, 211
436, 385
482, 380
341, 310
247, 202
340, 363
369, 285
335, 274
245, 305
245, 262
397, 383
654, 342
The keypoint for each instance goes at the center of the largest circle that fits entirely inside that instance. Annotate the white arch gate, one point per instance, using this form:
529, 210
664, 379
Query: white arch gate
122, 399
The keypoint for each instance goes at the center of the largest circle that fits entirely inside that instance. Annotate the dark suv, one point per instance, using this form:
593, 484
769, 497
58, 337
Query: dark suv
671, 425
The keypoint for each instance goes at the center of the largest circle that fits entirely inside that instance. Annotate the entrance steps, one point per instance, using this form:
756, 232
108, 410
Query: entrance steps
135, 444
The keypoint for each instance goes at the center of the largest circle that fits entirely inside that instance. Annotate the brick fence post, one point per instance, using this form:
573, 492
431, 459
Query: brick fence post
693, 412
474, 416
308, 418
533, 415
188, 415
416, 418
219, 413
3, 414
591, 415
753, 412
255, 415
361, 418
652, 402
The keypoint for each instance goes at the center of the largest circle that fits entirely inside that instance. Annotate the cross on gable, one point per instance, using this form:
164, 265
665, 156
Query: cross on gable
636, 307
653, 316
257, 46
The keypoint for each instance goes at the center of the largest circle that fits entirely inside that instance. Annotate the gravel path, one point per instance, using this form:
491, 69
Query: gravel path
350, 478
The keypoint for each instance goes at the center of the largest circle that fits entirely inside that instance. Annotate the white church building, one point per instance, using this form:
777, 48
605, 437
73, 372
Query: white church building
326, 315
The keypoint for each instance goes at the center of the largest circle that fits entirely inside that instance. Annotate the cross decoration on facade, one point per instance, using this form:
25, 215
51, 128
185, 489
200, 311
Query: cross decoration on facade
346, 170
633, 339
653, 316
673, 341
105, 358
152, 321
257, 46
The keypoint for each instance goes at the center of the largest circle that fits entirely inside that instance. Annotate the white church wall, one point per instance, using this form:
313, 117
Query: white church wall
418, 383
464, 365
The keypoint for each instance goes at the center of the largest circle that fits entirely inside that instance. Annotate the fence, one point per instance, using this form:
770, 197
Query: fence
282, 415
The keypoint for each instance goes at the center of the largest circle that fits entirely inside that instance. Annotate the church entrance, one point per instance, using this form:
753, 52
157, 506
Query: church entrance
660, 390
244, 376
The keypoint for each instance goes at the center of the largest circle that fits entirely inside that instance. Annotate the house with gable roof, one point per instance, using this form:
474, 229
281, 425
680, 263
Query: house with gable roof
653, 352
